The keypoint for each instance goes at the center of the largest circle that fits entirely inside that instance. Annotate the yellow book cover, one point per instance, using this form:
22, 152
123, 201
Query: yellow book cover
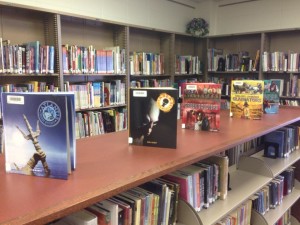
247, 99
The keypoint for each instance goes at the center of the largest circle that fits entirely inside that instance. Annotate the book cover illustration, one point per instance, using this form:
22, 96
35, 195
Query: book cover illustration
201, 105
39, 131
247, 99
153, 117
271, 96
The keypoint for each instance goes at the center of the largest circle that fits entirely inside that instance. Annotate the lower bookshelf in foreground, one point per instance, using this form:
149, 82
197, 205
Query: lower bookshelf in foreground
243, 185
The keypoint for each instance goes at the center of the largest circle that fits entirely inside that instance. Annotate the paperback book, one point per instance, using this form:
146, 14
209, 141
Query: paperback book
201, 105
39, 132
153, 117
271, 97
247, 99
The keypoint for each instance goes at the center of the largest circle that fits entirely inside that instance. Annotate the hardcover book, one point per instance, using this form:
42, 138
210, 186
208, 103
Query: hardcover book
153, 117
39, 133
271, 97
247, 99
201, 105
274, 144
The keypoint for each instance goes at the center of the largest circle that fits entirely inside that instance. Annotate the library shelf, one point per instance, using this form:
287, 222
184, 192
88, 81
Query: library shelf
107, 165
274, 215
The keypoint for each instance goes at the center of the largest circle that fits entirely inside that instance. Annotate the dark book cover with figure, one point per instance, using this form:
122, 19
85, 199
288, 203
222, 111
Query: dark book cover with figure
39, 131
153, 117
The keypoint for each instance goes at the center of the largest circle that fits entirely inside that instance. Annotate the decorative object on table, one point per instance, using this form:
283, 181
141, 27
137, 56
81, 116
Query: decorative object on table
197, 27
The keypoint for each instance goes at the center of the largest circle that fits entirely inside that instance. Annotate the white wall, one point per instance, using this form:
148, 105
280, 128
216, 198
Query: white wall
252, 16
162, 14
159, 14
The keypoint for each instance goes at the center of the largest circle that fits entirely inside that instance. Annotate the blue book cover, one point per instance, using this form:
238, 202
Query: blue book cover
35, 45
39, 131
51, 59
271, 97
275, 137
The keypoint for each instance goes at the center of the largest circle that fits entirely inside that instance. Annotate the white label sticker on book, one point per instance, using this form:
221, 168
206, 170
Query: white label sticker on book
191, 87
15, 99
139, 93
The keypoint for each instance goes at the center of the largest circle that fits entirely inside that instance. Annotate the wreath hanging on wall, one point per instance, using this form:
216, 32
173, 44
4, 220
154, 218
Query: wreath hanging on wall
197, 27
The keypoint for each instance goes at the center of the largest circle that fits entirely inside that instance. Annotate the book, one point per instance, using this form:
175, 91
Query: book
246, 100
175, 187
113, 208
39, 133
126, 211
137, 206
201, 105
271, 97
33, 48
274, 144
160, 188
153, 117
223, 162
102, 215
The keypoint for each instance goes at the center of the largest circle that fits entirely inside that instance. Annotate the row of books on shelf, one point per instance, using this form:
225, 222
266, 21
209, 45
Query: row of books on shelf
289, 102
271, 195
242, 216
239, 216
31, 86
156, 201
199, 184
89, 60
151, 83
97, 94
91, 123
231, 62
281, 142
188, 64
245, 149
146, 63
279, 61
26, 58
285, 219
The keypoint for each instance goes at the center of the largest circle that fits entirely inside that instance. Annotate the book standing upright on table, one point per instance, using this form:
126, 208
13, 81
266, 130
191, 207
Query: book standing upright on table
271, 97
201, 105
153, 117
39, 131
246, 99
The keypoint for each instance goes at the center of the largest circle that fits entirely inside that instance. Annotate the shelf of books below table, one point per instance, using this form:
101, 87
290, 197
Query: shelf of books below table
273, 215
243, 185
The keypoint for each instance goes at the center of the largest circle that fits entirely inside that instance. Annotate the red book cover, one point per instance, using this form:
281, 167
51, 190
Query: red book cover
201, 105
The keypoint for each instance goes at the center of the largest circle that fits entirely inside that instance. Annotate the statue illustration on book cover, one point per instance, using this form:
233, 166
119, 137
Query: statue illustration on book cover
39, 155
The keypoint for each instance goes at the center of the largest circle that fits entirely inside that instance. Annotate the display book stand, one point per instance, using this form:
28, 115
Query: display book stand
246, 180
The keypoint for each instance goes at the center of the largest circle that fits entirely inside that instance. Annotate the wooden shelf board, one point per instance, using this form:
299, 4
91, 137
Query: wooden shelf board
107, 165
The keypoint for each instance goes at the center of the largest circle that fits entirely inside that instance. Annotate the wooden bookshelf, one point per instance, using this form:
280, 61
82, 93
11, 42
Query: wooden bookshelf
20, 26
107, 165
